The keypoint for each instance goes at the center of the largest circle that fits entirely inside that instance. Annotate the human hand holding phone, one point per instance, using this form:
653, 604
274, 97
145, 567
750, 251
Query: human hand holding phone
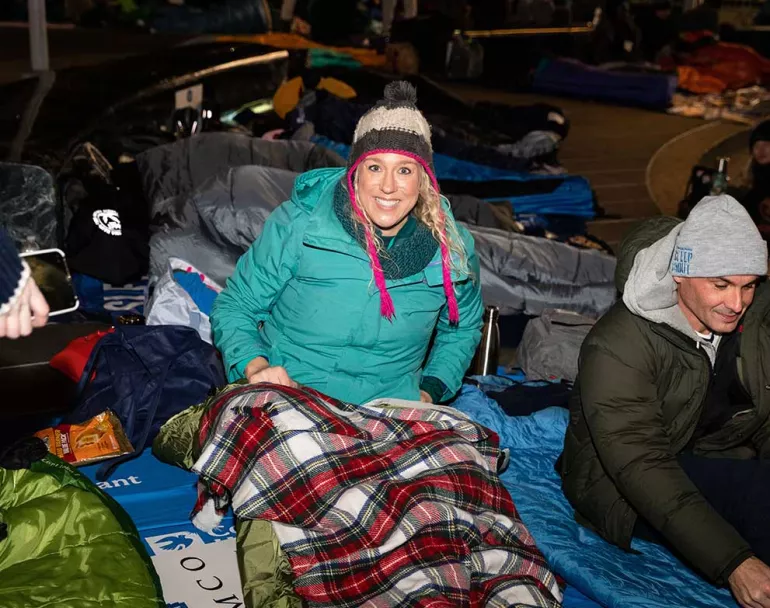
49, 270
48, 292
30, 310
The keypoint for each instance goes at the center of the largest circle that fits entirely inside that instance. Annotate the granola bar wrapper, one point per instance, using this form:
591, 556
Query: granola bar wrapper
100, 438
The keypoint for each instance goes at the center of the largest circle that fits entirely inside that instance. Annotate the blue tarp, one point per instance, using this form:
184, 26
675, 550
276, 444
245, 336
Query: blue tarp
650, 578
573, 195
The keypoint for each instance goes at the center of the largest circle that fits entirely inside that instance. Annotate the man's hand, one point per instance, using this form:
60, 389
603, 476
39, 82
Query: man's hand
259, 370
28, 311
425, 397
750, 583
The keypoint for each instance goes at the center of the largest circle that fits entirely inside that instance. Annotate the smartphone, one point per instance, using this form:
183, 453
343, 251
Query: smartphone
50, 271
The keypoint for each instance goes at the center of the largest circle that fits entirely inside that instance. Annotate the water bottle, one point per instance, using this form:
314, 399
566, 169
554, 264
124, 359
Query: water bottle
719, 185
487, 356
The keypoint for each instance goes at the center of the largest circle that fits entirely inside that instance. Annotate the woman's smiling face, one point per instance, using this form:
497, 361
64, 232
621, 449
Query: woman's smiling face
388, 188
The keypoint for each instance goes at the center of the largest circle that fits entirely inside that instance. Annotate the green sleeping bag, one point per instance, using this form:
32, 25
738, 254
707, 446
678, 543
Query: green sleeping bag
68, 544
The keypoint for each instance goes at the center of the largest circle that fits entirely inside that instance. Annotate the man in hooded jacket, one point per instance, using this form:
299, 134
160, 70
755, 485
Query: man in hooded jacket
669, 435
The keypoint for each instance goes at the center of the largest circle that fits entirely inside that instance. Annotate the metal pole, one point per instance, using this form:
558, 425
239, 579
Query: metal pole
38, 35
529, 31
44, 83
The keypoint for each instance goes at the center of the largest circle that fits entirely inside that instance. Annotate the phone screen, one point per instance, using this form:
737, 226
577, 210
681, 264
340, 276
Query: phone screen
49, 269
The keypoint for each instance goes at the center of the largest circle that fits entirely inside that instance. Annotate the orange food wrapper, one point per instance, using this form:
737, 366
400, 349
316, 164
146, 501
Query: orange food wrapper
99, 438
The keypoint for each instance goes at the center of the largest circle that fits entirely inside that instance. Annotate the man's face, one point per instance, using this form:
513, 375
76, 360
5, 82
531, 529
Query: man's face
715, 304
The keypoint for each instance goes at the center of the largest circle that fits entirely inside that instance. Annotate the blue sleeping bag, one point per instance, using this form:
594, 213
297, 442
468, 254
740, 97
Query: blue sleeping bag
574, 79
538, 194
228, 17
650, 578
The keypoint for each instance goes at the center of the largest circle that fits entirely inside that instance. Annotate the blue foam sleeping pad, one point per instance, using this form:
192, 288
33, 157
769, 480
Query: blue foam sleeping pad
649, 579
572, 197
575, 79
159, 497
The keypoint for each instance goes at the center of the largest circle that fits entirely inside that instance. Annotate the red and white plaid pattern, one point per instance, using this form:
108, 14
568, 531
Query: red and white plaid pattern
380, 505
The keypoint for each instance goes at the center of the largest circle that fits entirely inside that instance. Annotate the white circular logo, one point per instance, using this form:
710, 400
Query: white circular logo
108, 221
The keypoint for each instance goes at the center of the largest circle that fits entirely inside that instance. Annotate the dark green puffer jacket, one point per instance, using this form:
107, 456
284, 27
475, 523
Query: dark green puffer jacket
637, 400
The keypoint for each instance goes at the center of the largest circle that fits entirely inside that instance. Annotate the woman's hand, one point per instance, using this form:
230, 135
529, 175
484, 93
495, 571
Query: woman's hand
425, 397
29, 310
259, 370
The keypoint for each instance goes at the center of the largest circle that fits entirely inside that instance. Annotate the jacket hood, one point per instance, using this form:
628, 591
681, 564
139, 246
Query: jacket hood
641, 237
650, 290
310, 187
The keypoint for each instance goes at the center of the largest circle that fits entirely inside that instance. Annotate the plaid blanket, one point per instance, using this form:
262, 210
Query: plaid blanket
386, 504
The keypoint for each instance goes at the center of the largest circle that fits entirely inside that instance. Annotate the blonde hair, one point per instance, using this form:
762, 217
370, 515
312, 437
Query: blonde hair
430, 211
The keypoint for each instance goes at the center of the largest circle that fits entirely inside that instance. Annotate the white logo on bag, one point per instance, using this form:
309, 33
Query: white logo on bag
180, 540
119, 483
108, 221
174, 541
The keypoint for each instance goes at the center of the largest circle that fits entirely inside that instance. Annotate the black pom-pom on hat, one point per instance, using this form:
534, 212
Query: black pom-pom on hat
400, 92
394, 123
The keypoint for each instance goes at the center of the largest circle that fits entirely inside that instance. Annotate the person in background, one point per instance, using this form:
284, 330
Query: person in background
757, 199
22, 306
669, 434
658, 30
287, 10
616, 37
361, 286
389, 13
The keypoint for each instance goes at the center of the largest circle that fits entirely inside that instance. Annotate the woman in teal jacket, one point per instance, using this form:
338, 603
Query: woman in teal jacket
361, 286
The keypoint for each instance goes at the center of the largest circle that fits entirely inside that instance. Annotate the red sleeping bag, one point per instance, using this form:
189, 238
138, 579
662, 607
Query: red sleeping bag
721, 66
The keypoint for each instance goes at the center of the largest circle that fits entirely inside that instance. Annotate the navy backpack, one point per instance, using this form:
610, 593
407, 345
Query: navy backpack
146, 375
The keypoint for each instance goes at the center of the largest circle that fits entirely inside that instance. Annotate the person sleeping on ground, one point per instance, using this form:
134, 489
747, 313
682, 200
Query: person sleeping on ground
669, 434
362, 285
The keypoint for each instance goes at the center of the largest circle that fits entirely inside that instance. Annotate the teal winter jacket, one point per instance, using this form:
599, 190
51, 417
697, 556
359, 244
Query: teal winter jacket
304, 298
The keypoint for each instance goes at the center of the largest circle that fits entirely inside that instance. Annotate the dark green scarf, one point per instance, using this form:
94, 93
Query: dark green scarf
408, 254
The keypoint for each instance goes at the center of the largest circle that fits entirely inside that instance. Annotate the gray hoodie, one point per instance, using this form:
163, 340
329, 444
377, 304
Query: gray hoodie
650, 291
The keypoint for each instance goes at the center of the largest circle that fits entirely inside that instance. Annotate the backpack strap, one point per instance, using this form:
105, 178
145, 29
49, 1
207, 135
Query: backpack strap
88, 370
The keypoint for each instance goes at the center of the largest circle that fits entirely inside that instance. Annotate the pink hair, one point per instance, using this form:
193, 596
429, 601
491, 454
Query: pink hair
386, 302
